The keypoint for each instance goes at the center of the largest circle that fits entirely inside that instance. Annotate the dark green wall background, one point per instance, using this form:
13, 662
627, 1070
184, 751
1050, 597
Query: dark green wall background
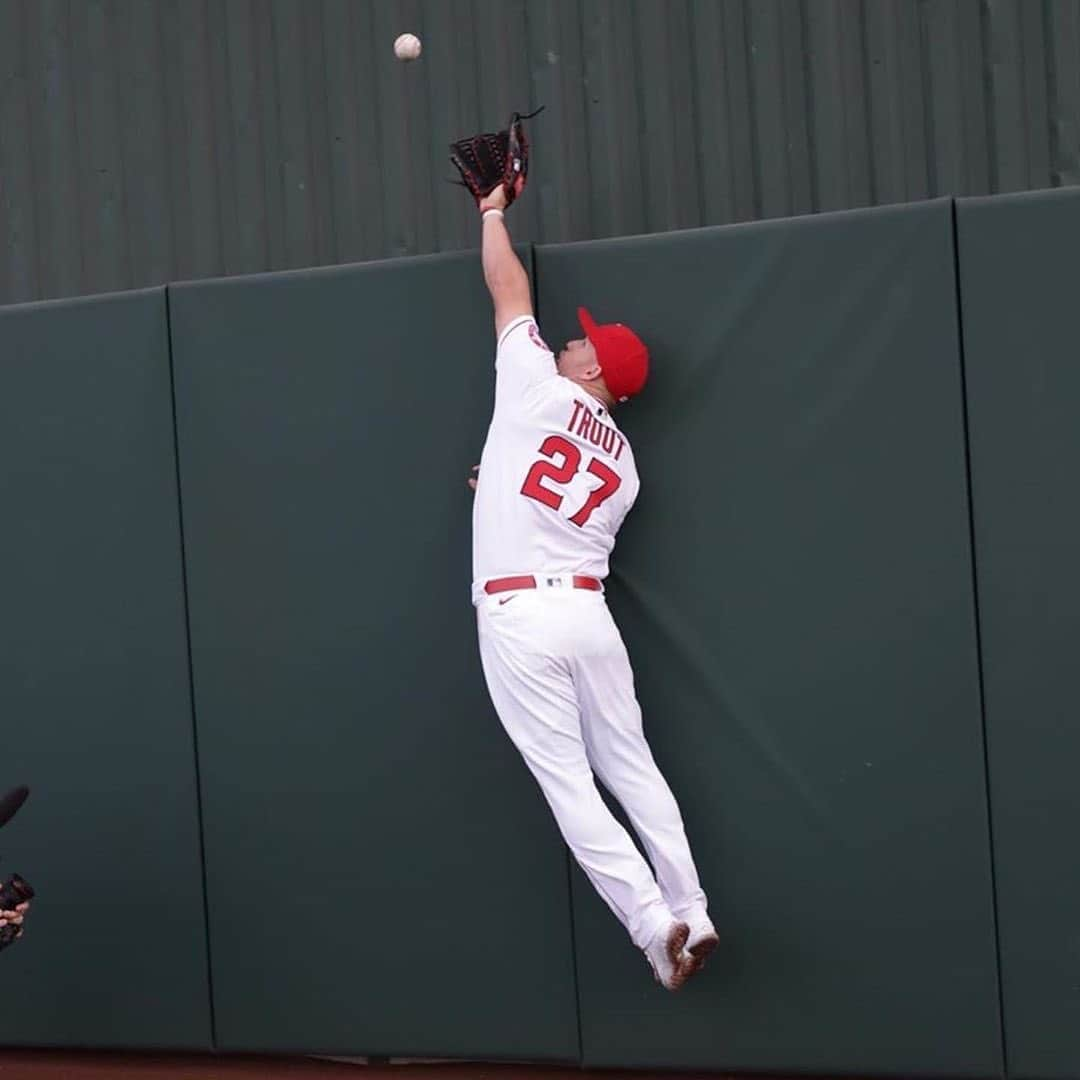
795, 590
94, 688
276, 135
1018, 281
382, 876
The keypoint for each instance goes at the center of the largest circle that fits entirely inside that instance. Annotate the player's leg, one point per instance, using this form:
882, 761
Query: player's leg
534, 697
622, 759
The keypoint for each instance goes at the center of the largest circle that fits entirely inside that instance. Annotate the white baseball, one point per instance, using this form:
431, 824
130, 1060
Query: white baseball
407, 47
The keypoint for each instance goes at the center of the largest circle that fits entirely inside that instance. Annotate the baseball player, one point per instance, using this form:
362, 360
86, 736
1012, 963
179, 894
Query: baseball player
556, 479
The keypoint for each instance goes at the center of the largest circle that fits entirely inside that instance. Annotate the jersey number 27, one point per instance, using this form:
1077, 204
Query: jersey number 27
553, 447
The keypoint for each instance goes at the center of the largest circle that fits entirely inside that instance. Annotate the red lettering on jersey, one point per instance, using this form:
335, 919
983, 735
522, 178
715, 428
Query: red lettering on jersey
609, 484
561, 474
596, 431
556, 446
536, 339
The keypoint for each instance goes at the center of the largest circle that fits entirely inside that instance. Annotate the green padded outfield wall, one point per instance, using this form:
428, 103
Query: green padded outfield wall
94, 686
1019, 292
795, 589
383, 877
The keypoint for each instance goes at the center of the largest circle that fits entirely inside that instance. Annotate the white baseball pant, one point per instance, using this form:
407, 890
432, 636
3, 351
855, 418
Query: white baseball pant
560, 680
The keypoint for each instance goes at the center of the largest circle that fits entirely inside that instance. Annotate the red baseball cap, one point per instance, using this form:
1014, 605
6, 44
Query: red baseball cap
621, 354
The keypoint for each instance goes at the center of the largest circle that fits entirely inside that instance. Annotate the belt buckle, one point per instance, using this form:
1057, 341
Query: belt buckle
555, 582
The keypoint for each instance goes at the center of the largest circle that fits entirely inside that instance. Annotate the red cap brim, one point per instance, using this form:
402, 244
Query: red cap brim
588, 323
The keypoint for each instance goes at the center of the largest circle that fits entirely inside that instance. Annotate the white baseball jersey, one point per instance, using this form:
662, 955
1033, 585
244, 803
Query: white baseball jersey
557, 477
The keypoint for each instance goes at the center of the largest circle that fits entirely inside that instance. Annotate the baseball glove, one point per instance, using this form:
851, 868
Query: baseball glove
495, 157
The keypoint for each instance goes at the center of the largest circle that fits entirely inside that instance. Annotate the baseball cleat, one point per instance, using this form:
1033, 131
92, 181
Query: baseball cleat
670, 964
701, 941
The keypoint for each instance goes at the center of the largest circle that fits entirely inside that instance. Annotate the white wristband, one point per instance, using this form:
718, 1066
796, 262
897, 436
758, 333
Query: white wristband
490, 210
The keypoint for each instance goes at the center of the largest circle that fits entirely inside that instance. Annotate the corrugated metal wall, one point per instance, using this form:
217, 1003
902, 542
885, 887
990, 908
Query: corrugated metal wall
151, 140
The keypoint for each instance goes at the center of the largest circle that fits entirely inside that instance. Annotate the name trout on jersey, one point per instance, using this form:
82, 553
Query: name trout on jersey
597, 432
604, 437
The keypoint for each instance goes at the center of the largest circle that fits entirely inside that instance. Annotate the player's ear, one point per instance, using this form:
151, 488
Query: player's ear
592, 373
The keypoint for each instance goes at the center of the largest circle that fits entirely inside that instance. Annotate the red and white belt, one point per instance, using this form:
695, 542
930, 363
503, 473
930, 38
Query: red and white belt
542, 581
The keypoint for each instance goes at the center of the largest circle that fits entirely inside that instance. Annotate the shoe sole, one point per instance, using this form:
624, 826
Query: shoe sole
677, 939
702, 949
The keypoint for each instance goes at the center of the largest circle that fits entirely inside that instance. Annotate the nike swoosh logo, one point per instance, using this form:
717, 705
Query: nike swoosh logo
507, 600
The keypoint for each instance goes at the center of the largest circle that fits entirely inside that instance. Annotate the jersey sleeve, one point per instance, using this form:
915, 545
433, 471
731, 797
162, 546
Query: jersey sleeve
522, 358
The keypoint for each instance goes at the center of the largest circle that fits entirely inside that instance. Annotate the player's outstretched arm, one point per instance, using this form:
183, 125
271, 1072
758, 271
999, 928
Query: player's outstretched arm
506, 278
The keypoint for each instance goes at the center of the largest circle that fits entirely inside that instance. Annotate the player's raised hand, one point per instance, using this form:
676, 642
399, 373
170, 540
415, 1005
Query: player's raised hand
495, 201
472, 479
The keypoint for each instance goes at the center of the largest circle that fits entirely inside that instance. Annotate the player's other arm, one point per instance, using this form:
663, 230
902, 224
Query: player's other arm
504, 275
